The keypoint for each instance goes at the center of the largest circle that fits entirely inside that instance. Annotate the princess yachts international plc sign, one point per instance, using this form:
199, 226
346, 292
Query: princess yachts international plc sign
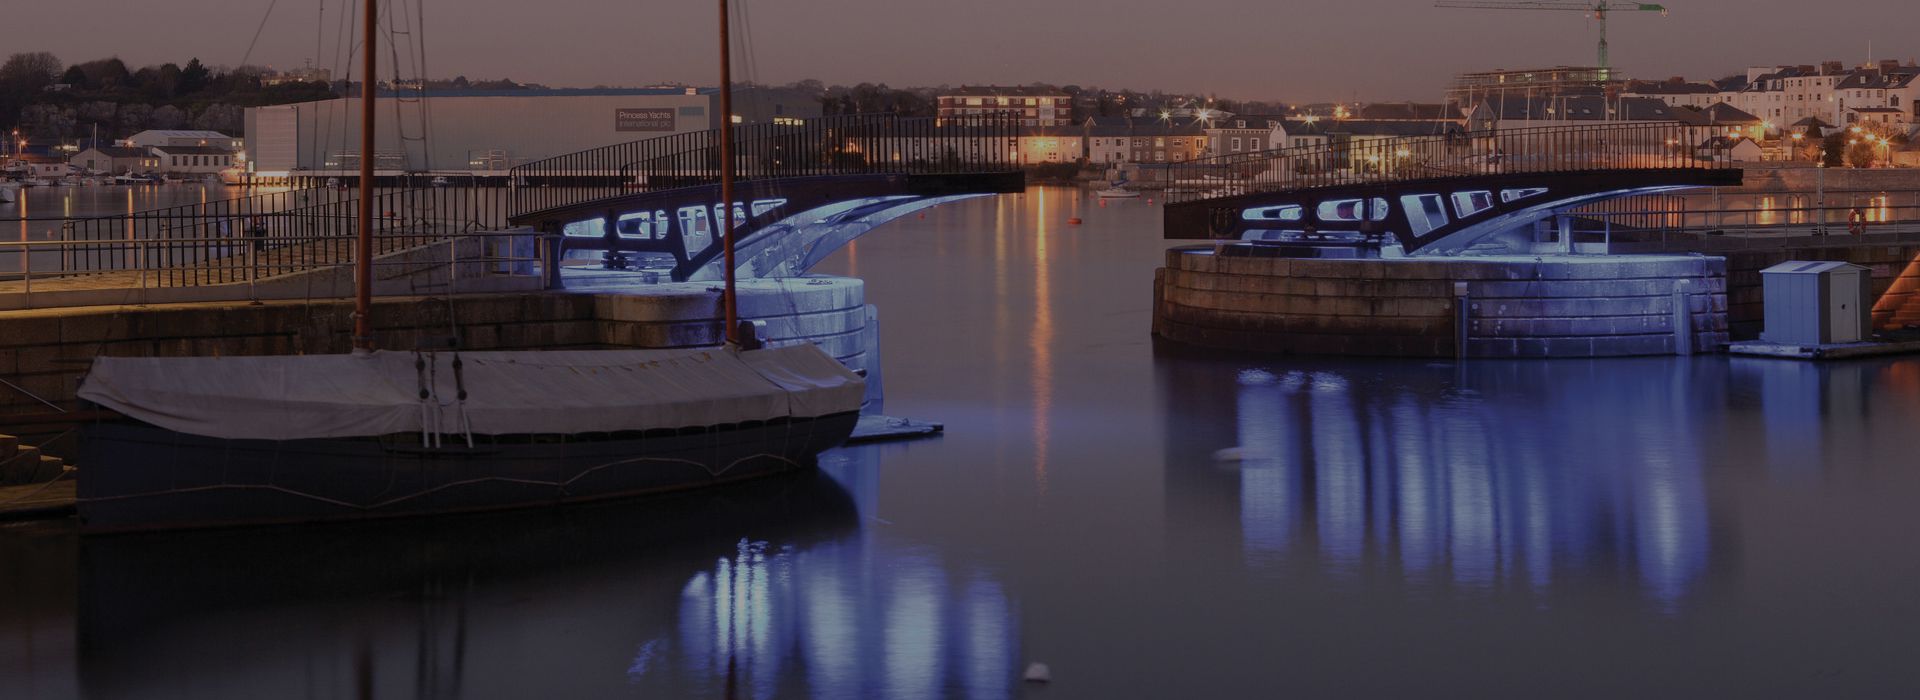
643, 119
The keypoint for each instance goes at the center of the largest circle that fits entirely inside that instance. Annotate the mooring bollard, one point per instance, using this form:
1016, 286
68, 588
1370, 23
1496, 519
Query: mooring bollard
1460, 302
1682, 319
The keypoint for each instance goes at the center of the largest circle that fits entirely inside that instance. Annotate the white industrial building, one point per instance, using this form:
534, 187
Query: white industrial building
478, 132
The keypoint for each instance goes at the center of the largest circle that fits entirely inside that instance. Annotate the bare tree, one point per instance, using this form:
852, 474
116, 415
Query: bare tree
30, 71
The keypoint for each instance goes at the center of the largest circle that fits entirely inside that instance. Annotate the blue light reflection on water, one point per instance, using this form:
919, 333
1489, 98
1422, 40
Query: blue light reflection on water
1446, 483
861, 616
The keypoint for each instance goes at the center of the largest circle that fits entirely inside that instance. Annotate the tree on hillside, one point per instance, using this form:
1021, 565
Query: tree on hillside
158, 83
106, 74
194, 77
74, 77
29, 71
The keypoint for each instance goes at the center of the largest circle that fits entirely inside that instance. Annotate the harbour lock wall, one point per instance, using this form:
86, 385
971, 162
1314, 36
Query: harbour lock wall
1567, 306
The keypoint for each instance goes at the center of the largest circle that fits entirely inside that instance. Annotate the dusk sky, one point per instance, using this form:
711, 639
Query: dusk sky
1301, 50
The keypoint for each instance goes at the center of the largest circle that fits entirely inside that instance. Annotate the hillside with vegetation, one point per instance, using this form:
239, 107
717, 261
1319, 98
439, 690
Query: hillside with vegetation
48, 101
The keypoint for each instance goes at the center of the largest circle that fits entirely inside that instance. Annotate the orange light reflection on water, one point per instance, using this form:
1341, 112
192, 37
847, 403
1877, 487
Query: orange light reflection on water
1042, 345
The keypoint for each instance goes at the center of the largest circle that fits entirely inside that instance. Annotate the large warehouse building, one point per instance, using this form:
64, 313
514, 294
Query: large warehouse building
478, 132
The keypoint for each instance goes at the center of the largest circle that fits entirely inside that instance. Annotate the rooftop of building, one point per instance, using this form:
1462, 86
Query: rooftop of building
120, 151
183, 134
1723, 113
1673, 86
558, 92
1003, 91
193, 150
1402, 111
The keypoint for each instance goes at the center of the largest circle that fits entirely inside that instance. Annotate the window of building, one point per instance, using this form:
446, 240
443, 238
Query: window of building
973, 102
1159, 142
1236, 144
1253, 144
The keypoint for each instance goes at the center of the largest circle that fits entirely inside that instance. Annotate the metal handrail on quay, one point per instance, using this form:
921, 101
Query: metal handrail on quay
495, 254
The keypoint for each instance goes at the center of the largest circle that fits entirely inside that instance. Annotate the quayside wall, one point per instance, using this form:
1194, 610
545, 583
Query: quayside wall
1564, 306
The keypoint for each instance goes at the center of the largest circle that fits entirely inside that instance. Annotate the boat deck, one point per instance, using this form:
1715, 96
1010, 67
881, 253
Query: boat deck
54, 499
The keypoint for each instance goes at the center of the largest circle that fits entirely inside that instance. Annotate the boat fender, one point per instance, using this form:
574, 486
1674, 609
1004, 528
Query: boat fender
1075, 221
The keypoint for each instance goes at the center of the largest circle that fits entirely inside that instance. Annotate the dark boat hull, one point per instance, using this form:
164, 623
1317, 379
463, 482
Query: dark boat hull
136, 476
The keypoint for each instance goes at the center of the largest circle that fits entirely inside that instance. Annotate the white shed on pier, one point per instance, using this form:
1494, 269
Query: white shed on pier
1816, 302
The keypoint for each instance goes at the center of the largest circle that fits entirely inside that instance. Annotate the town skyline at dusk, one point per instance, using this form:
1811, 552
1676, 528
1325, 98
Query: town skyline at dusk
1364, 51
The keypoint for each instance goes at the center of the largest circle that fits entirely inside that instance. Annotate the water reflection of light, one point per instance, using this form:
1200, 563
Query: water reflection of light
912, 633
1464, 492
1340, 468
1042, 344
1269, 499
850, 628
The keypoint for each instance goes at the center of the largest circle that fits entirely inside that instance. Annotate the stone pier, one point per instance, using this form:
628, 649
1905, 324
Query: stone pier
1554, 306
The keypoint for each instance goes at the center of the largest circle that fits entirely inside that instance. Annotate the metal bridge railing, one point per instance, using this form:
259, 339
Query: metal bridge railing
859, 144
1867, 219
231, 240
1492, 152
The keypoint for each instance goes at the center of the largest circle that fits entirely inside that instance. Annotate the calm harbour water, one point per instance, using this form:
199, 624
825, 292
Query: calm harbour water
1658, 527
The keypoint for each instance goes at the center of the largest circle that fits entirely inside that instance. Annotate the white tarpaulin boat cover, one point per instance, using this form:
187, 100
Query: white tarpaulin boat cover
538, 392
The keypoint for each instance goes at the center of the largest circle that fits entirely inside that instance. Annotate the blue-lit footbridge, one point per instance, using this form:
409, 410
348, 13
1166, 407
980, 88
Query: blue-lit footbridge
1431, 195
1459, 244
802, 191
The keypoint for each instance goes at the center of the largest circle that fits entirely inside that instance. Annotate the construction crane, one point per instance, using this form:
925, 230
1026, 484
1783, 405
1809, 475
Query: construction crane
1597, 9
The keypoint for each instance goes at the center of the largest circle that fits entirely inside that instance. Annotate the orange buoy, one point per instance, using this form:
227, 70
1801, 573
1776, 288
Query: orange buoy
1103, 204
1075, 221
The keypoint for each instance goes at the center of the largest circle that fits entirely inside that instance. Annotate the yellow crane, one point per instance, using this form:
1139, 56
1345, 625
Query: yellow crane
1597, 9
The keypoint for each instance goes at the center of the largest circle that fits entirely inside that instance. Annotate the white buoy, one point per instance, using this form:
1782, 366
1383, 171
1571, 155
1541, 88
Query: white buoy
1238, 454
1038, 673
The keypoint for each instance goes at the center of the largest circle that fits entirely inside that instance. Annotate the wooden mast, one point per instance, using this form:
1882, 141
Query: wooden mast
363, 244
728, 297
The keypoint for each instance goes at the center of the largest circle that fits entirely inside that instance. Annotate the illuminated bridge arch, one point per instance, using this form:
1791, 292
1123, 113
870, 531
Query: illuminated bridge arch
1430, 195
784, 226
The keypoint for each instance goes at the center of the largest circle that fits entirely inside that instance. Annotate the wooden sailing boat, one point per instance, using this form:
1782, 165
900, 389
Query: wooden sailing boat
216, 441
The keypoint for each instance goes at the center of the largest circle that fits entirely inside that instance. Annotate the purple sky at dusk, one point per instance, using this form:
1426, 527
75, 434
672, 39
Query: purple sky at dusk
1299, 50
